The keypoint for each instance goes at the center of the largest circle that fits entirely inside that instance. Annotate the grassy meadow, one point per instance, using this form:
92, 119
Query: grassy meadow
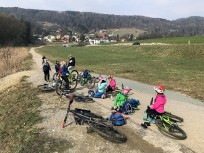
178, 67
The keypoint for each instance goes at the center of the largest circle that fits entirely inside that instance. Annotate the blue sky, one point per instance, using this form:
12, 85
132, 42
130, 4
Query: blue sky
167, 9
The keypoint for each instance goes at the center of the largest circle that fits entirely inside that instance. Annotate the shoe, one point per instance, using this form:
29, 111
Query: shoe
144, 125
103, 96
147, 123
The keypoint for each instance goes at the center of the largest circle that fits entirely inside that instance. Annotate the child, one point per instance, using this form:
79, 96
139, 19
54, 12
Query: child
57, 66
158, 106
65, 74
121, 98
46, 70
101, 87
112, 84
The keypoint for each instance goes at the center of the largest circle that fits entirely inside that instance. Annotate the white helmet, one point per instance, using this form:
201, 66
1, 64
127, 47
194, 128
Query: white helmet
159, 89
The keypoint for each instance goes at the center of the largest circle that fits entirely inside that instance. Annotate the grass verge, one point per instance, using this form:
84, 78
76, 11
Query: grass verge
178, 67
18, 116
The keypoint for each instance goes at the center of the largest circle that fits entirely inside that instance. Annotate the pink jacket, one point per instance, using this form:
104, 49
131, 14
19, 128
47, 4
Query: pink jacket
112, 83
159, 103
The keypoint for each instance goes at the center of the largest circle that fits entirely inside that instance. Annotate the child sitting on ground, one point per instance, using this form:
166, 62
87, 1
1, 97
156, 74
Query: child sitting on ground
101, 88
121, 98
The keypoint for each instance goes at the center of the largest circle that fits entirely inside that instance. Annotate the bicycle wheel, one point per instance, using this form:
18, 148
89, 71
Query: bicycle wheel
174, 117
73, 84
55, 76
60, 88
74, 75
44, 87
172, 130
109, 133
90, 83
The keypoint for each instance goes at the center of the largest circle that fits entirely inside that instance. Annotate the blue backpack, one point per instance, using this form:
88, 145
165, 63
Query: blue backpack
117, 119
85, 74
134, 103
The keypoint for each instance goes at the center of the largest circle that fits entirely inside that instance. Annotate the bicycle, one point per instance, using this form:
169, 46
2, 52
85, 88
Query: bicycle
167, 123
47, 87
61, 85
79, 97
89, 80
95, 122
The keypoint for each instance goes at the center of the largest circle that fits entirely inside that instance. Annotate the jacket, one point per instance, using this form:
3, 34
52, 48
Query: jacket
120, 99
102, 86
112, 84
65, 71
159, 102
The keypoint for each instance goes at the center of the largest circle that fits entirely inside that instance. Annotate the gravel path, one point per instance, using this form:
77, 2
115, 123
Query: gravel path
139, 139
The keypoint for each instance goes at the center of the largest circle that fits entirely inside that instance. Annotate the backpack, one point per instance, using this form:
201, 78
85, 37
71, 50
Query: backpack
91, 93
85, 74
117, 119
127, 108
134, 103
45, 68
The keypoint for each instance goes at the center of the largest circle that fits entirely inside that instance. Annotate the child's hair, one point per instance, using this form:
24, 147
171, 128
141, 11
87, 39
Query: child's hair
103, 81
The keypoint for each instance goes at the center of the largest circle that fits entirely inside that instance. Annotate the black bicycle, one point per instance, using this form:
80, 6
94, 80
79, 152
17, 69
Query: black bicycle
97, 123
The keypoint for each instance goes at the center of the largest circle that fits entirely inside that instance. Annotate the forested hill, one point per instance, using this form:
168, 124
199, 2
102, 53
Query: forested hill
87, 21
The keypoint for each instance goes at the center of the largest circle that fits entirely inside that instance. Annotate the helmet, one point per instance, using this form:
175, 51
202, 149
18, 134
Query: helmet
159, 89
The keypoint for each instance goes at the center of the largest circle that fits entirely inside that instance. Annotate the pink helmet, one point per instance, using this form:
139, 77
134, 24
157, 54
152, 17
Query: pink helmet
159, 89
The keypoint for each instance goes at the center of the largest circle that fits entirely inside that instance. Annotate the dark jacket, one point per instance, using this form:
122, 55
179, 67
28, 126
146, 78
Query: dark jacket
71, 61
65, 71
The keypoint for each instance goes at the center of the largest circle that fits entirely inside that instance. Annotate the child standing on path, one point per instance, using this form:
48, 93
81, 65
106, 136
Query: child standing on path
46, 70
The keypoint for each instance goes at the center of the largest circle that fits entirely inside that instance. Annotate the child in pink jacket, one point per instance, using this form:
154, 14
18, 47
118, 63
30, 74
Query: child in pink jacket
112, 84
157, 108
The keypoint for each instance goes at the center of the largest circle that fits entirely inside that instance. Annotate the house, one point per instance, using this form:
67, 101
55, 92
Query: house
49, 38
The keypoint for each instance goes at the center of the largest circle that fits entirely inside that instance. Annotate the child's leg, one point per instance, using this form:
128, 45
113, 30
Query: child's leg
98, 95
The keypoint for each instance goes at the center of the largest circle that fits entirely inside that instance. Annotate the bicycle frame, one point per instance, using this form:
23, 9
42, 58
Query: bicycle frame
167, 120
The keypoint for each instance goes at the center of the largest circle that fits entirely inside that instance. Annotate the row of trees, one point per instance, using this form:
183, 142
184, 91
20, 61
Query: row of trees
13, 31
84, 22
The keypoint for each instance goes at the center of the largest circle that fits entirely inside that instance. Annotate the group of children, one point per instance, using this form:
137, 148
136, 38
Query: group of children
61, 68
104, 87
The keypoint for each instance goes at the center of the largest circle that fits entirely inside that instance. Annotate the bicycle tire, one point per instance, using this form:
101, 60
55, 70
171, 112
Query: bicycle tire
55, 76
60, 88
74, 75
172, 130
174, 117
90, 83
44, 87
109, 133
73, 84
89, 114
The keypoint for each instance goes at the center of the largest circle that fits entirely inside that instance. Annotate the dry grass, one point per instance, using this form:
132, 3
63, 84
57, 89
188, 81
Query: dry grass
13, 60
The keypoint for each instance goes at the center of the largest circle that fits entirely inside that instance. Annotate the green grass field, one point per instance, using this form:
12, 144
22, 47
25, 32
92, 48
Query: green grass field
178, 67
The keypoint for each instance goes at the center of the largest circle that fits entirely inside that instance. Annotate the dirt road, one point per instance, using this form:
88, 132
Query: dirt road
139, 139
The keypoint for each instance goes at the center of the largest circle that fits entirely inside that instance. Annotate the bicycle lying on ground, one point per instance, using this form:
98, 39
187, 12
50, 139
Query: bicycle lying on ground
47, 87
167, 123
78, 97
95, 122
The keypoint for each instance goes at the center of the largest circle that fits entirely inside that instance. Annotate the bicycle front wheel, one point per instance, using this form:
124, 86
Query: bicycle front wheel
174, 117
73, 84
172, 130
74, 75
109, 133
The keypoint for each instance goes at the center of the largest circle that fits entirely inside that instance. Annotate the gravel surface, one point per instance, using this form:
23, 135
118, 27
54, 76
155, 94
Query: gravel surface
139, 139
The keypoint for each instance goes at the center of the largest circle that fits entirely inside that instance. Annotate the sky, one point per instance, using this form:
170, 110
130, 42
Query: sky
166, 9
